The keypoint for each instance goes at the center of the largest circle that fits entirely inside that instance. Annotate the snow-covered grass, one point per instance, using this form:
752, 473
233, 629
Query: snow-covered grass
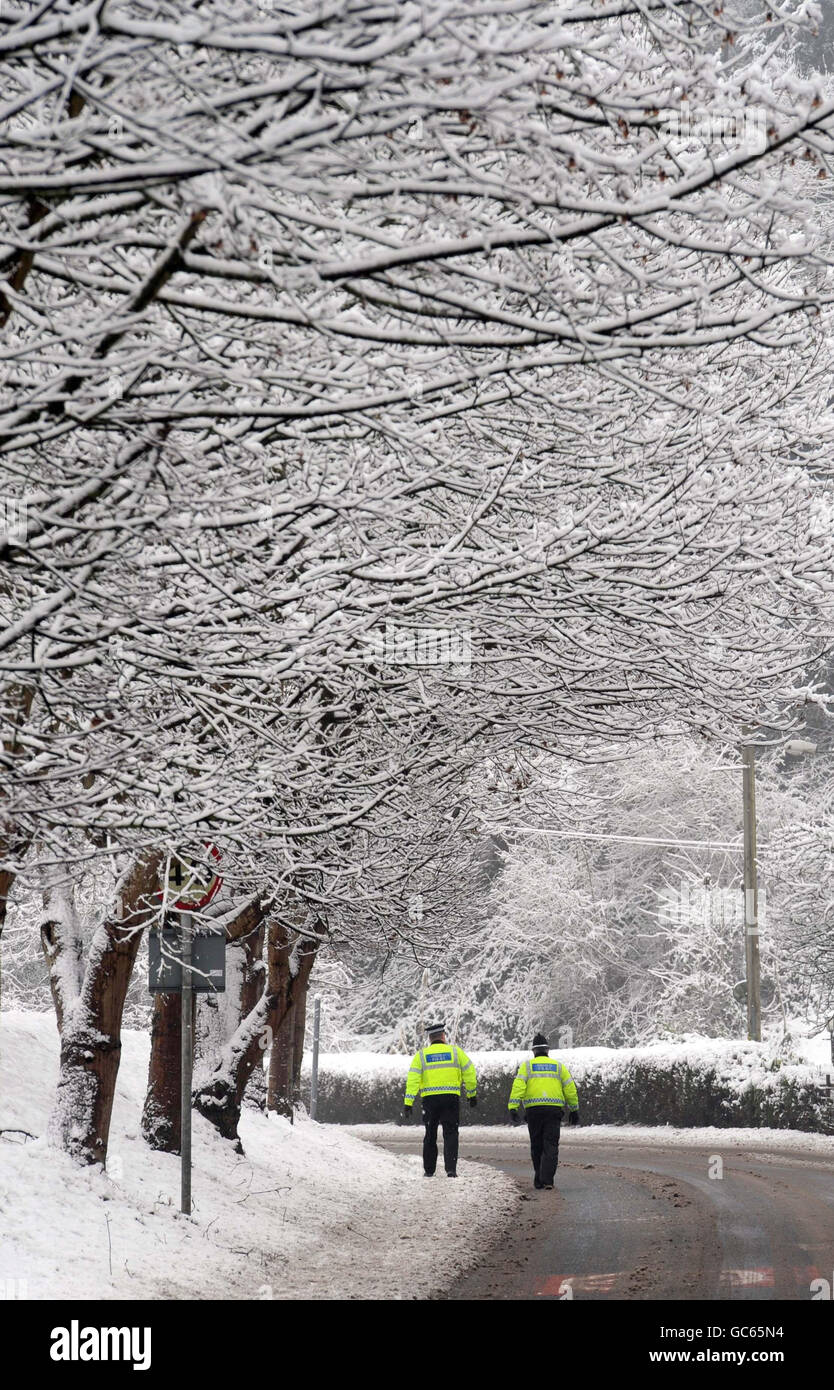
310, 1211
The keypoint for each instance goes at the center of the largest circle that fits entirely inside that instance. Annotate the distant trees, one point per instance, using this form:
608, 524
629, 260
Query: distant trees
626, 922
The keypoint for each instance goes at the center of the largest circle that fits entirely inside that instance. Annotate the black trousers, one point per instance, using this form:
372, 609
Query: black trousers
445, 1111
545, 1125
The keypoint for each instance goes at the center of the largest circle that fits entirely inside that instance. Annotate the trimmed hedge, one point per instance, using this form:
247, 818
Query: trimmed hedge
722, 1084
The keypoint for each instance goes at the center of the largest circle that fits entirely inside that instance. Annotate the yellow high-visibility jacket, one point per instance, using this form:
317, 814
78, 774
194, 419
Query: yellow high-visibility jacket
543, 1081
440, 1070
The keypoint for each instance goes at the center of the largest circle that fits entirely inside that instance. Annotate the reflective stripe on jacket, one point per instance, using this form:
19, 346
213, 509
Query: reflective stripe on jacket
543, 1081
440, 1070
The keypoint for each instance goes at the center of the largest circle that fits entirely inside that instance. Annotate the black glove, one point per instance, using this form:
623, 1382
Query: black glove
573, 1117
405, 1118
473, 1101
516, 1118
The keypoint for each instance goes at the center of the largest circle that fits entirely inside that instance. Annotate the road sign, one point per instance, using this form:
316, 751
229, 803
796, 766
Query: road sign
193, 878
768, 992
208, 961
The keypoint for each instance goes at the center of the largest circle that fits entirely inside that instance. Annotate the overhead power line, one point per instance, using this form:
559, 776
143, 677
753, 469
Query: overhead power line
625, 839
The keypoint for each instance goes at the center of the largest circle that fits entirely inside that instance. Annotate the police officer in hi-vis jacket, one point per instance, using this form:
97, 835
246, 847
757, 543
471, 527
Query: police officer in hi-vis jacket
544, 1085
437, 1073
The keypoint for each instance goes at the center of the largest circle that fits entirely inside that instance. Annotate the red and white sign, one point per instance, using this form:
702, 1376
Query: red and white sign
194, 878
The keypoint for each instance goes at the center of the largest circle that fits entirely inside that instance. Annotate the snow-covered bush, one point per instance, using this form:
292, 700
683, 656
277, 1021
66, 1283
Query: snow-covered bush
725, 1084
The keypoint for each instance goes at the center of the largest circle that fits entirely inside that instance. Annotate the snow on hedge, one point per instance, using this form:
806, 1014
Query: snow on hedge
697, 1081
308, 1212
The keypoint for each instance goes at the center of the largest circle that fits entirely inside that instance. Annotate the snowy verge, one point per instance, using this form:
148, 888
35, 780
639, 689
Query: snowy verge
663, 1136
310, 1211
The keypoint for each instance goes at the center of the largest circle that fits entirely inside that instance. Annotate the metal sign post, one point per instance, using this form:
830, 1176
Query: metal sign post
314, 1072
175, 954
186, 1061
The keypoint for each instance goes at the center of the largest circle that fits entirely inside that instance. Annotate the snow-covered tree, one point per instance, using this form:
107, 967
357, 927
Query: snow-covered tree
334, 336
616, 914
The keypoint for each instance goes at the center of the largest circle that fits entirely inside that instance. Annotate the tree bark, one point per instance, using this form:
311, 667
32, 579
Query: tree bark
162, 1112
91, 1022
6, 880
279, 1097
254, 1095
61, 942
288, 1047
302, 986
13, 846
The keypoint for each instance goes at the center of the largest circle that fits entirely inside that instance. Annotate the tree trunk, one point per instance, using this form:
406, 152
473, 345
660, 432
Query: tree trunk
6, 880
288, 1047
252, 981
254, 1097
13, 846
162, 1112
279, 1092
302, 986
219, 1097
91, 1021
215, 1017
61, 942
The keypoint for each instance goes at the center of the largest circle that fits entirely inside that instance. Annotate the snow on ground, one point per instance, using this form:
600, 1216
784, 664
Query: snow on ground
816, 1050
799, 1141
311, 1211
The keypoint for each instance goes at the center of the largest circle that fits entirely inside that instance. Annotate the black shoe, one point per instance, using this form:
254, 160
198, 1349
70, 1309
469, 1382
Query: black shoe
428, 1175
548, 1186
536, 1183
451, 1175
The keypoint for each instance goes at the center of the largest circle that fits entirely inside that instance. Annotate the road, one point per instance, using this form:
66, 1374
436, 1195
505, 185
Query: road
642, 1220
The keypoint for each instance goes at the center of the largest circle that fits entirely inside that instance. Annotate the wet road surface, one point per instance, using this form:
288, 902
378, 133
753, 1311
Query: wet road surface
638, 1220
